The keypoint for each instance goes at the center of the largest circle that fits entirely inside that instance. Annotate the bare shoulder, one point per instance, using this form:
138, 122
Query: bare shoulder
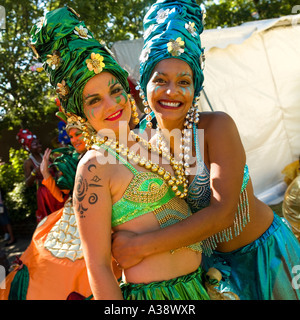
91, 188
94, 161
216, 119
218, 125
221, 135
27, 166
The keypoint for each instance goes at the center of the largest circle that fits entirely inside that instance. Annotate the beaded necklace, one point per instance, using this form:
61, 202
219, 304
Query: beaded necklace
185, 148
179, 179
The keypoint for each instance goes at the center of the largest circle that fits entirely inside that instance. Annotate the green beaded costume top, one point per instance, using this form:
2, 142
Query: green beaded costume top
148, 192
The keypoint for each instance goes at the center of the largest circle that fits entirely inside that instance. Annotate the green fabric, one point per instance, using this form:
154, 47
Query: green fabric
56, 32
187, 287
125, 210
143, 183
148, 192
66, 163
19, 285
143, 122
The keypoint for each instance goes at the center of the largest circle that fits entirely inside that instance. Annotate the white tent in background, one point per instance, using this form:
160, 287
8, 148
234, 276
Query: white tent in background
252, 72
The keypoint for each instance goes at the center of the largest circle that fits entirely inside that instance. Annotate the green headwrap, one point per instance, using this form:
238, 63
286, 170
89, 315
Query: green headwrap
66, 163
71, 56
172, 30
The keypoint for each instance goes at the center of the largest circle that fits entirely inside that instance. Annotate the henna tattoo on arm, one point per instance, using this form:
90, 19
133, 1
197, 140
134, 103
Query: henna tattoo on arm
91, 166
82, 190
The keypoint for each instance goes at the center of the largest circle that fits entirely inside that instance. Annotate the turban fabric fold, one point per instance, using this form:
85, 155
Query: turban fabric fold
71, 56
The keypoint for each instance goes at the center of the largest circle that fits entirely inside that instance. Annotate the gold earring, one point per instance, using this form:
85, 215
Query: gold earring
147, 109
134, 114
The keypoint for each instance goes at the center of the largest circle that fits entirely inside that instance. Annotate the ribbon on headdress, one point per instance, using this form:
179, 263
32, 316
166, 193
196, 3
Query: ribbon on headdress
25, 137
172, 30
71, 56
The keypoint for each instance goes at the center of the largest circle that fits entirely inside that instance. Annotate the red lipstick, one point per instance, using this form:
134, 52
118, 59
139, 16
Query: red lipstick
115, 116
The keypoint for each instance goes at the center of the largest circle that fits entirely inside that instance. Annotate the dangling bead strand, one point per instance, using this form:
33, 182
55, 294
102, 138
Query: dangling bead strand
147, 109
176, 181
134, 113
192, 118
87, 130
185, 149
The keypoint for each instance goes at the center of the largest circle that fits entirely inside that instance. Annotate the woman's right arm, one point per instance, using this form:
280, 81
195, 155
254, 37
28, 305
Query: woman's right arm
92, 205
227, 161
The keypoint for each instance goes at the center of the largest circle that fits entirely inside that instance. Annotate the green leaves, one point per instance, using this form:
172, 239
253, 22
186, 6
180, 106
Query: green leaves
21, 89
20, 200
26, 96
230, 13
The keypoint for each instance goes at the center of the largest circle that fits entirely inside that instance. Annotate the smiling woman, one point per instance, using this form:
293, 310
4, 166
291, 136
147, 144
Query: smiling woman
105, 102
240, 234
170, 91
76, 139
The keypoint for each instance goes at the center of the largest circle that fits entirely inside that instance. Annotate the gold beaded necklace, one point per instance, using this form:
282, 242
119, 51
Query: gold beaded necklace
173, 181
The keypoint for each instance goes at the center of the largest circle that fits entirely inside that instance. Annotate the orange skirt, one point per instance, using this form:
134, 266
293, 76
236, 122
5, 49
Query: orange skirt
54, 260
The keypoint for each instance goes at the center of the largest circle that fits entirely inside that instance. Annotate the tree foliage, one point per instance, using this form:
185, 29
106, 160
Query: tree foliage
26, 96
230, 13
20, 200
109, 20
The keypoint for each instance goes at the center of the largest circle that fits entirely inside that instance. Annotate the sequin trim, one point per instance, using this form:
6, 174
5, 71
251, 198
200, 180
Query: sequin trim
146, 187
199, 198
172, 212
199, 190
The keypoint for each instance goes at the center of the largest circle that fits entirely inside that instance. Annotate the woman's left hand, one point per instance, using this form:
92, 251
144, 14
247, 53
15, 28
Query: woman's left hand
124, 250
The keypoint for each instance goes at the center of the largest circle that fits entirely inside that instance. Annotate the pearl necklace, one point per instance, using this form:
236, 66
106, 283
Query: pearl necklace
173, 181
185, 149
191, 120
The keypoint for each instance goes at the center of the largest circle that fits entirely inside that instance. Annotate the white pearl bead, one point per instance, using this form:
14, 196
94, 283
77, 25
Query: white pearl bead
186, 157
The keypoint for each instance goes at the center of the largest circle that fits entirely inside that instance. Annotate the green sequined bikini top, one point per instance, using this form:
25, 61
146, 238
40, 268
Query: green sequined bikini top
148, 192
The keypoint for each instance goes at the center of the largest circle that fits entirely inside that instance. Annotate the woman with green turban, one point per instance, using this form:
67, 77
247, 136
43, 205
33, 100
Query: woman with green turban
241, 236
52, 267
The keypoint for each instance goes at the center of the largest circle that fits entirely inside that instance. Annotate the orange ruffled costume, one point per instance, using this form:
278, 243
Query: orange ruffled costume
54, 260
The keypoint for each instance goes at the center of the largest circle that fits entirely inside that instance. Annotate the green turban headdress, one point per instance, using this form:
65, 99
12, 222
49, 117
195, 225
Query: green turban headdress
172, 30
66, 163
71, 56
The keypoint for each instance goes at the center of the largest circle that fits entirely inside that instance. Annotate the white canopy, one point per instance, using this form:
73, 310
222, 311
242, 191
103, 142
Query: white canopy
252, 72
